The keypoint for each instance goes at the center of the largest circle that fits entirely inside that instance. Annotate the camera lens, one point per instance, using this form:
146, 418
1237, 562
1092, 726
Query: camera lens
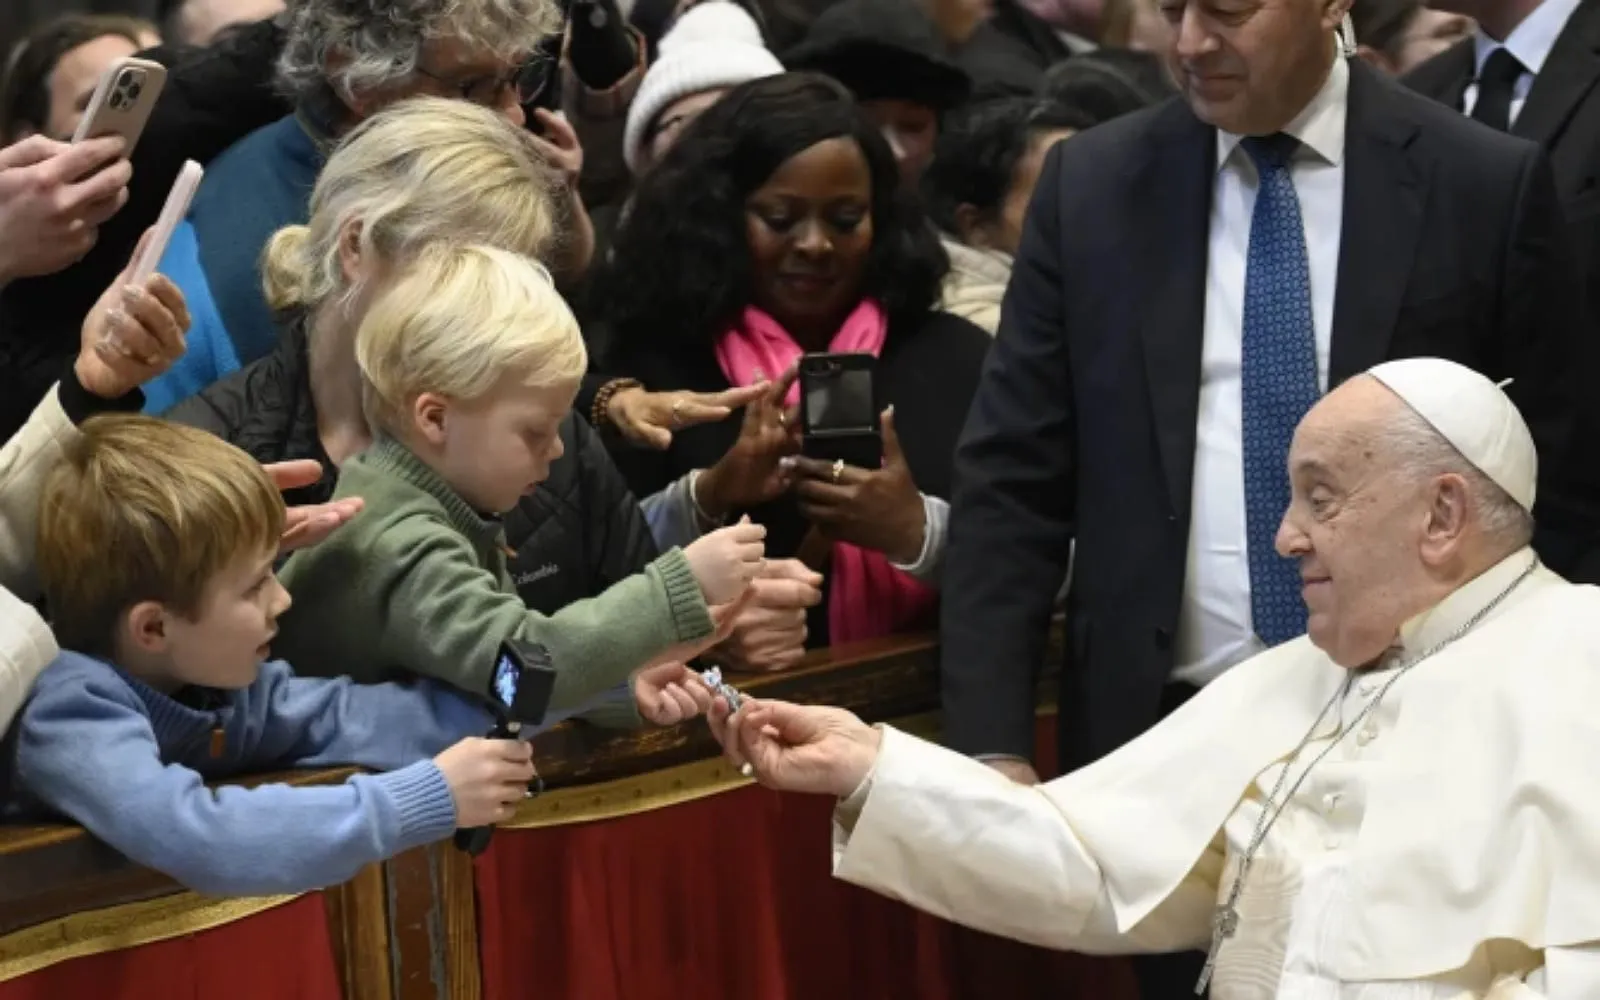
134, 90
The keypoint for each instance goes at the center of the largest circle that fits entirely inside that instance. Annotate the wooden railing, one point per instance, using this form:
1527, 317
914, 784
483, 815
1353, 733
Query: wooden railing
396, 928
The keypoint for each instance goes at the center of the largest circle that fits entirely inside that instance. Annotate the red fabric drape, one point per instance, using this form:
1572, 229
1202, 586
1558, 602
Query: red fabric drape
279, 954
732, 897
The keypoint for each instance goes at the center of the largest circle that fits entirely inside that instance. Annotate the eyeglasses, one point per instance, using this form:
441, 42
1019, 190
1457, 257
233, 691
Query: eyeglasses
528, 81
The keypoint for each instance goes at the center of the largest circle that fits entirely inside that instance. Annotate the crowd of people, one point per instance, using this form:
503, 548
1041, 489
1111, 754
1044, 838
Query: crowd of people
1242, 336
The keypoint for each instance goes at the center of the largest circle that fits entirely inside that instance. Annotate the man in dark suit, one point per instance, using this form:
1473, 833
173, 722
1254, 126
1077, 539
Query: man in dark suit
1533, 72
1191, 278
1529, 72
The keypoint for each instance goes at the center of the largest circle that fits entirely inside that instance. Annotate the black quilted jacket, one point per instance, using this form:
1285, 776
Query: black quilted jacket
578, 534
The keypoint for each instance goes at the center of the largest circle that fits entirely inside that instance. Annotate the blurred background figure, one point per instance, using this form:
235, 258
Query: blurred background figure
977, 191
1107, 83
891, 58
712, 48
199, 22
51, 74
1399, 35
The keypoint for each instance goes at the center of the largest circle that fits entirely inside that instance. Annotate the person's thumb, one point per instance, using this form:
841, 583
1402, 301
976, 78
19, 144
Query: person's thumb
793, 723
892, 455
723, 615
657, 438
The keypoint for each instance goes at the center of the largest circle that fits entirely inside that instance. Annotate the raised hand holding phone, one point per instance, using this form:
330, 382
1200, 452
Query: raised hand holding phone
132, 334
145, 258
173, 212
122, 101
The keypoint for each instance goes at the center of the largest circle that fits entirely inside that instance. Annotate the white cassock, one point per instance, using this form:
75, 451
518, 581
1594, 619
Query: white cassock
1447, 849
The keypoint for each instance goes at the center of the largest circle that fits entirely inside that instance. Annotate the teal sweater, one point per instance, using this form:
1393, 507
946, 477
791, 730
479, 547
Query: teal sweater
417, 585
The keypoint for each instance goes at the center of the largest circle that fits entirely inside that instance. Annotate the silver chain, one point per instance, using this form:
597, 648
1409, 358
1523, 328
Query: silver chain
1225, 922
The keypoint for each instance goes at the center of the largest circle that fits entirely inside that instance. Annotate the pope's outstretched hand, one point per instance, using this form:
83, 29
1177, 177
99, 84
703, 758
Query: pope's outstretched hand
797, 748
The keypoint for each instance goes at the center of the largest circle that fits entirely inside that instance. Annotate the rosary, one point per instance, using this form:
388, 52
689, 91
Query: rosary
1225, 921
712, 679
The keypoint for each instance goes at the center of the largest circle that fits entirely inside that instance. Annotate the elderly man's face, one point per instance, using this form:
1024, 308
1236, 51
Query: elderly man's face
451, 69
1354, 524
1249, 66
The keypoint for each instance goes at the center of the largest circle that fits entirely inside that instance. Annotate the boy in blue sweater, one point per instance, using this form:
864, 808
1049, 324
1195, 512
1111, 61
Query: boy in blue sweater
156, 550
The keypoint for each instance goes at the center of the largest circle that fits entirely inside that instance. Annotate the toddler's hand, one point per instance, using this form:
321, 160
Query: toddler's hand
669, 693
725, 561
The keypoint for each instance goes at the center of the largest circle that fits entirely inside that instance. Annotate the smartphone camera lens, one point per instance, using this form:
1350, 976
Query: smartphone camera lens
126, 90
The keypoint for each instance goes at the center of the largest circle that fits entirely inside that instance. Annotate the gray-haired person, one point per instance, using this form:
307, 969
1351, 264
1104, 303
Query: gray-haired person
342, 61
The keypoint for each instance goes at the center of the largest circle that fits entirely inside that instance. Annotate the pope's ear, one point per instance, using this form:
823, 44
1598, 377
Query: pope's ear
1449, 515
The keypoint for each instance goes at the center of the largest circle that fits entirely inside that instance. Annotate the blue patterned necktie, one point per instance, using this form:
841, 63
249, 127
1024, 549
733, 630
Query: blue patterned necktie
1279, 381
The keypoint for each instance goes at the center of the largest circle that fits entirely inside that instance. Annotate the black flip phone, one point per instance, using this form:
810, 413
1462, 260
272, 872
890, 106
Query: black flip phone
839, 409
520, 687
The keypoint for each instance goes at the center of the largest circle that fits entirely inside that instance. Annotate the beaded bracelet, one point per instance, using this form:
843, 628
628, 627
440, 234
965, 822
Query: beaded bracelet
599, 413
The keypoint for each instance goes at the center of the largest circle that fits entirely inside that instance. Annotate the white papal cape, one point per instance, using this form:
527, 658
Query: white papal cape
1482, 825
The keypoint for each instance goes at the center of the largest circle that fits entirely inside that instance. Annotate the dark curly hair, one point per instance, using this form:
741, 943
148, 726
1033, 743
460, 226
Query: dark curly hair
680, 262
979, 147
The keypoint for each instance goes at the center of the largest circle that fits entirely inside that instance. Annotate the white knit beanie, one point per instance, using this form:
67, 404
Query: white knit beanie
714, 44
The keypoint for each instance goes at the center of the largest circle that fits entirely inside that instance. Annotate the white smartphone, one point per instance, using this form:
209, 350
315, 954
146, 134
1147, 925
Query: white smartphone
172, 213
122, 101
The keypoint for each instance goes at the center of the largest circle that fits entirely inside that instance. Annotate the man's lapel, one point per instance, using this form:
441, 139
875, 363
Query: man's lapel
1173, 226
1383, 206
1568, 74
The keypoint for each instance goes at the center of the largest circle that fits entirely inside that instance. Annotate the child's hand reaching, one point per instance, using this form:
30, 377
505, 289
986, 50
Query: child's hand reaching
487, 778
725, 561
723, 619
669, 693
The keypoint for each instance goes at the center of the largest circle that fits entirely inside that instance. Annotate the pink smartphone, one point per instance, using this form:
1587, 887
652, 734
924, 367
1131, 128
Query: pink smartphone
122, 101
172, 213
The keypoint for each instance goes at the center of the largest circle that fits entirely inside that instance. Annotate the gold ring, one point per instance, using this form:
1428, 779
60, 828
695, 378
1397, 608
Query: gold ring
677, 418
838, 469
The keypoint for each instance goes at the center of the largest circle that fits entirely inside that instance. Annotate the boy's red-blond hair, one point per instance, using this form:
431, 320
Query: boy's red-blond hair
145, 510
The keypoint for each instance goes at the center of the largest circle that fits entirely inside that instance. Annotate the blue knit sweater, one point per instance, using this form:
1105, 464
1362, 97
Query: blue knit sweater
130, 764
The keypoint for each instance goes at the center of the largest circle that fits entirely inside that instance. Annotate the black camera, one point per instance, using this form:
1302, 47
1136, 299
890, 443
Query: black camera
520, 687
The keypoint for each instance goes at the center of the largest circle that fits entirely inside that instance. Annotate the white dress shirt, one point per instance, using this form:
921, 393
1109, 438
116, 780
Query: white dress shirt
1215, 630
1530, 41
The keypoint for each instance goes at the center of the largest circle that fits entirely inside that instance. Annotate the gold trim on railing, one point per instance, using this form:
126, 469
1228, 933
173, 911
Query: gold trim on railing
114, 928
655, 789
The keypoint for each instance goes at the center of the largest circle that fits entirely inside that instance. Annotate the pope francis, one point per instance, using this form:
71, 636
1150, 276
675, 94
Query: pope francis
1398, 806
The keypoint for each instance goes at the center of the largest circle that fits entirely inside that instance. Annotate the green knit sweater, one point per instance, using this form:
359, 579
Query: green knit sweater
416, 584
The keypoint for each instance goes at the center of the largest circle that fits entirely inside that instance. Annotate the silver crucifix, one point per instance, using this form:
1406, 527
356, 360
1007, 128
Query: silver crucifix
1224, 925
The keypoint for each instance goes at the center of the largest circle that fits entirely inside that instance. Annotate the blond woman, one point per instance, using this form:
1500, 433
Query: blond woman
419, 175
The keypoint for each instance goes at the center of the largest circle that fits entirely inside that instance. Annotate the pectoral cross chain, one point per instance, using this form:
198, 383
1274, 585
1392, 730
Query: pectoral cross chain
1224, 925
